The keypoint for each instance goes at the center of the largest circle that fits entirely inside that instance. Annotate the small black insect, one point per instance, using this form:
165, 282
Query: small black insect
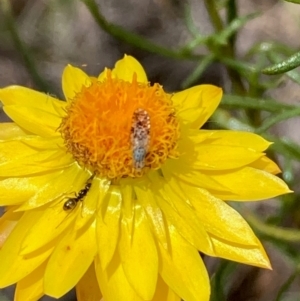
71, 203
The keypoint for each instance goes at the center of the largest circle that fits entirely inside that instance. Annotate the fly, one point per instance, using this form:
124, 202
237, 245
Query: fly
140, 137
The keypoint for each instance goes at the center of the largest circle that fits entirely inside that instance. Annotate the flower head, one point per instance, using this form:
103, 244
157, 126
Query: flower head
116, 190
108, 122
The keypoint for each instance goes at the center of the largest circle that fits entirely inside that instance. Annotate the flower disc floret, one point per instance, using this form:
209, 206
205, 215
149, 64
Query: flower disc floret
99, 125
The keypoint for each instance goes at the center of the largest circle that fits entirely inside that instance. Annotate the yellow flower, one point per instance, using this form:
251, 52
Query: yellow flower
116, 190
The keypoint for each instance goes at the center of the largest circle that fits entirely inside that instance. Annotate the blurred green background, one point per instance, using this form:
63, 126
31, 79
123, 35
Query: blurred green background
182, 43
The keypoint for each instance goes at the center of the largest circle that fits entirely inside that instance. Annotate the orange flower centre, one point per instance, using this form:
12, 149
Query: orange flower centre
121, 129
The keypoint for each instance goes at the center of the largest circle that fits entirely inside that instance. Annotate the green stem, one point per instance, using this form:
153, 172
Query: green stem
280, 117
231, 15
225, 120
189, 21
196, 74
244, 102
214, 15
286, 285
282, 234
134, 39
227, 50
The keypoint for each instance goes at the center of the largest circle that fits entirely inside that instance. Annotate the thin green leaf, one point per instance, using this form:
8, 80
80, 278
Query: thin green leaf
199, 40
244, 102
271, 231
240, 66
225, 120
286, 285
284, 146
189, 21
231, 10
288, 171
276, 119
232, 28
220, 38
196, 74
269, 47
293, 1
290, 63
219, 280
276, 58
232, 14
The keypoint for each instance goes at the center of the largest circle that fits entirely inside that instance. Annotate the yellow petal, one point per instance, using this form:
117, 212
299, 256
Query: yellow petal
21, 190
183, 270
31, 287
14, 149
107, 226
40, 143
113, 282
63, 184
247, 140
164, 292
216, 216
9, 130
218, 157
249, 255
87, 289
126, 68
18, 190
94, 197
179, 214
51, 222
102, 76
195, 178
33, 120
40, 161
154, 213
267, 165
88, 206
72, 81
197, 104
70, 260
21, 96
8, 221
127, 203
17, 266
249, 184
138, 254
246, 183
